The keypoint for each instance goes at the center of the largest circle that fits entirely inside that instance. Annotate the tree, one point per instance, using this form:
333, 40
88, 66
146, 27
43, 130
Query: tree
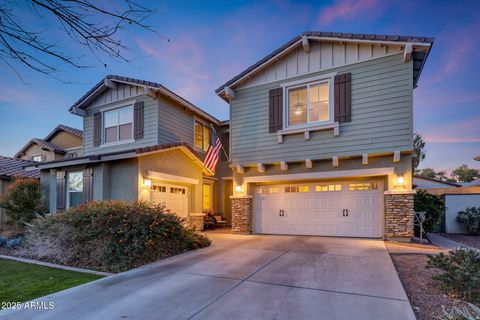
433, 206
94, 25
23, 201
418, 150
430, 173
465, 174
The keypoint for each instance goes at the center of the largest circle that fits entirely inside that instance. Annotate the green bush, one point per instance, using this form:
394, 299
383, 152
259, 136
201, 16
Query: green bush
470, 219
461, 274
434, 208
111, 235
23, 201
470, 312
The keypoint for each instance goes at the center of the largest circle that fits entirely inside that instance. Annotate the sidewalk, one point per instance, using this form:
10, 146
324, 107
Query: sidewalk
440, 241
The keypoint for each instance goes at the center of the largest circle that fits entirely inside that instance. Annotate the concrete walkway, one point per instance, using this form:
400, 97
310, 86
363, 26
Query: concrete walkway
245, 277
440, 241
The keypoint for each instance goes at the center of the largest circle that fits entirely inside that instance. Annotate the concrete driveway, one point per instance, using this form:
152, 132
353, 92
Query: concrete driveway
246, 277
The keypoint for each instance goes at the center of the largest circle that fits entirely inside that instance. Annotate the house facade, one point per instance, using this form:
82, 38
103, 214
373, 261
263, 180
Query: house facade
141, 141
321, 136
63, 142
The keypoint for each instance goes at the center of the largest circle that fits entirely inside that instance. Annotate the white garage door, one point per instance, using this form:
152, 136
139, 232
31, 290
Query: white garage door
174, 197
352, 209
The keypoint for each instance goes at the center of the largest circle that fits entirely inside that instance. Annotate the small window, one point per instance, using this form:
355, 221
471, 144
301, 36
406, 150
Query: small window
159, 188
118, 124
75, 188
273, 190
308, 104
291, 189
365, 186
202, 136
177, 190
303, 188
328, 188
37, 158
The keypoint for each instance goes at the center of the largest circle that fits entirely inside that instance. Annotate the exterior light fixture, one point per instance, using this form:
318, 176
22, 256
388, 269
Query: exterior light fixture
400, 180
147, 183
238, 188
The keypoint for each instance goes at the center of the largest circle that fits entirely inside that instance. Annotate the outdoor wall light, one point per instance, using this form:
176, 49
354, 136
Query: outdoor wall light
147, 183
238, 188
400, 180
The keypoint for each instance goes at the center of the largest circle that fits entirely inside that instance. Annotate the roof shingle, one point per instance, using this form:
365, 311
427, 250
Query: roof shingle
13, 167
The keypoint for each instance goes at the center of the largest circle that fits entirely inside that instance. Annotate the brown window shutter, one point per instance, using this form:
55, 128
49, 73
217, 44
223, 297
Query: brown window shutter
97, 129
61, 190
138, 119
343, 97
275, 108
87, 185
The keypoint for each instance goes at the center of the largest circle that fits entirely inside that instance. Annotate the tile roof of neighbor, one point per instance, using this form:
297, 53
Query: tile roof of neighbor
342, 35
42, 143
13, 167
437, 180
62, 127
79, 102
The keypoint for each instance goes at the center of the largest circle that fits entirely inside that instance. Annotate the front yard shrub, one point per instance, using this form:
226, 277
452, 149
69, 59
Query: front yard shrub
461, 274
3, 240
434, 208
111, 235
23, 201
470, 312
470, 219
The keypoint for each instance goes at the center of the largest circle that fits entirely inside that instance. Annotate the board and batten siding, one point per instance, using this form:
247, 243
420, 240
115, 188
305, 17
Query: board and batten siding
382, 118
150, 134
321, 56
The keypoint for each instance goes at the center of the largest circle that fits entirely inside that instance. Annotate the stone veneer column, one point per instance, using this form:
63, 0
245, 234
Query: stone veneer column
399, 215
241, 213
196, 221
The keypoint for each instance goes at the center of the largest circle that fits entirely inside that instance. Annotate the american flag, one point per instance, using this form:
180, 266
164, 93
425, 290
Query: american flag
213, 151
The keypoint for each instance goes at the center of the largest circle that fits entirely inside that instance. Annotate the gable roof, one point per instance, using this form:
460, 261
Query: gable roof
42, 143
477, 158
13, 167
124, 154
64, 128
101, 87
418, 57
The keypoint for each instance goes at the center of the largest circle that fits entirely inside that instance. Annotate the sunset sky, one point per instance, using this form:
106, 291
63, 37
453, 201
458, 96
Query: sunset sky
210, 42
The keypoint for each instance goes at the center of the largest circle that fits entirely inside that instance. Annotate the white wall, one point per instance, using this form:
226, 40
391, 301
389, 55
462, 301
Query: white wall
455, 203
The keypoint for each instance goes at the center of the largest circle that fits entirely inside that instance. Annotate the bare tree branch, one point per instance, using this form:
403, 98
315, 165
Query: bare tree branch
84, 22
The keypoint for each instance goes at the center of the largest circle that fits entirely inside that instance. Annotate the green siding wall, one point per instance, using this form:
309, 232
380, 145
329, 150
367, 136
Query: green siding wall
381, 117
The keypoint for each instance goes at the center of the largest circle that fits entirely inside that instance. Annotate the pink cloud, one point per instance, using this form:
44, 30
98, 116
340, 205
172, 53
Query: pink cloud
467, 131
349, 9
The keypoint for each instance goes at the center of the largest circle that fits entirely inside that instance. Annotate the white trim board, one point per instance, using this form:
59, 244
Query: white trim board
170, 177
322, 175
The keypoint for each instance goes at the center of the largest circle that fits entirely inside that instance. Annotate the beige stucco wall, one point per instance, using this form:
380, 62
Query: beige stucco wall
173, 162
35, 150
66, 140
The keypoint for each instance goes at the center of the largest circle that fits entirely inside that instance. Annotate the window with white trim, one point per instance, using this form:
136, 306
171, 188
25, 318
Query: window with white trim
118, 124
37, 158
367, 186
308, 104
74, 188
328, 187
202, 135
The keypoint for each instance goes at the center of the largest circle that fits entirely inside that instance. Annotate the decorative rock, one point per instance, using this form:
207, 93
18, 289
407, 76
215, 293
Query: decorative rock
399, 216
242, 215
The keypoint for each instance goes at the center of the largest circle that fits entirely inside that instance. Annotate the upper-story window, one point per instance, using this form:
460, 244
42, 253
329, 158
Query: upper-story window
37, 158
118, 124
202, 135
308, 104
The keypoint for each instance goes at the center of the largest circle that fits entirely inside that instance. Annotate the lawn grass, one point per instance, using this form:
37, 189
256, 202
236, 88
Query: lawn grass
20, 282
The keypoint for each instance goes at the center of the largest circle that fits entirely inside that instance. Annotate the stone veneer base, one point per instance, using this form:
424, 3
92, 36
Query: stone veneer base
196, 222
399, 216
241, 214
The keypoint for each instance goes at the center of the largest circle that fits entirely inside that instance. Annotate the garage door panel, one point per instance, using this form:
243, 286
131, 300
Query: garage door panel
321, 213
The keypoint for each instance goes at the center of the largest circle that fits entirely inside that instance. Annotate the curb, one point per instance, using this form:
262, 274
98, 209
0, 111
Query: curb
54, 265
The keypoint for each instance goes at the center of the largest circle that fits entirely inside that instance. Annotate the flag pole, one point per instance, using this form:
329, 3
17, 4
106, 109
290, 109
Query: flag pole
223, 149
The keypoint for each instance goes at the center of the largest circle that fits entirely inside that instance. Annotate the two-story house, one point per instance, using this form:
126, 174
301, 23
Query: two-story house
63, 142
141, 141
321, 136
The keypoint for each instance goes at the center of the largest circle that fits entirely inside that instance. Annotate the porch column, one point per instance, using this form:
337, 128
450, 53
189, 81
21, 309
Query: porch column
399, 215
242, 213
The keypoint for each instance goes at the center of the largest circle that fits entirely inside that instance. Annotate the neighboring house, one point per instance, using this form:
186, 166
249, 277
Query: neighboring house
420, 182
62, 143
141, 141
9, 169
321, 136
477, 158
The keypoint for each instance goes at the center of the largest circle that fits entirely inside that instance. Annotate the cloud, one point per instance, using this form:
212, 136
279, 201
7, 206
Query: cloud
349, 9
467, 131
